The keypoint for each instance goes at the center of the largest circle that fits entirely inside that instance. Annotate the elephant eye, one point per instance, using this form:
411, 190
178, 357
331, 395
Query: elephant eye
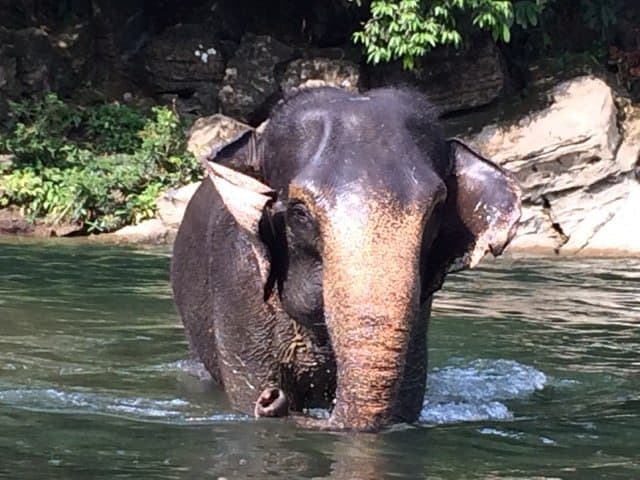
303, 229
298, 212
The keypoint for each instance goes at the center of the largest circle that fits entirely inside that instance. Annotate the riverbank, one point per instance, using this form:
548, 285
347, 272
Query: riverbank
576, 155
575, 152
565, 121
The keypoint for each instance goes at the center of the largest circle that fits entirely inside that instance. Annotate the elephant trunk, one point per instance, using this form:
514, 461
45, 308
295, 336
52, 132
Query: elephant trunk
371, 297
370, 370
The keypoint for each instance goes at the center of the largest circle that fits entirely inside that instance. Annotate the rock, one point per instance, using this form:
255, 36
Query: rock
31, 63
621, 234
8, 82
60, 229
582, 213
185, 59
452, 80
191, 107
321, 72
536, 232
8, 70
628, 156
13, 221
250, 87
40, 67
14, 14
35, 60
121, 29
576, 168
209, 133
570, 144
76, 43
149, 231
172, 204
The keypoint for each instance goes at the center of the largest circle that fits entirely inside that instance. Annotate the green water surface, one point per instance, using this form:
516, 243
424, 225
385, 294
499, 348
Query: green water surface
535, 373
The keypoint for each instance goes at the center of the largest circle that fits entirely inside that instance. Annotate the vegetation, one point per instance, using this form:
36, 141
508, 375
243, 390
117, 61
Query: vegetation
408, 29
101, 166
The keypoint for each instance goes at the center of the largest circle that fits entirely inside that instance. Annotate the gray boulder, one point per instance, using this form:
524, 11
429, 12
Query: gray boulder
250, 86
32, 62
576, 166
183, 59
321, 72
452, 80
209, 133
568, 145
172, 204
151, 231
621, 233
536, 232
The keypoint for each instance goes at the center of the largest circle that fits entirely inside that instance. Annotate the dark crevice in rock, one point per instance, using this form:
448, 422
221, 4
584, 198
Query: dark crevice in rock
562, 236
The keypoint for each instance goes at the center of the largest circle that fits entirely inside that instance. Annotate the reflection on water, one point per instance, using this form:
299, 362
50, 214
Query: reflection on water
534, 372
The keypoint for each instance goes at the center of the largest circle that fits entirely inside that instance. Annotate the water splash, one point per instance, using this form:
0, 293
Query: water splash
459, 392
474, 391
176, 410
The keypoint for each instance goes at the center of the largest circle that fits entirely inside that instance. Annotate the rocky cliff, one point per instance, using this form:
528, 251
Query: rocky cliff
577, 159
572, 139
236, 58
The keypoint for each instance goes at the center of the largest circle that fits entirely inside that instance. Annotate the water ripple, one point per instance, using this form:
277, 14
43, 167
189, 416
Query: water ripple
471, 392
174, 411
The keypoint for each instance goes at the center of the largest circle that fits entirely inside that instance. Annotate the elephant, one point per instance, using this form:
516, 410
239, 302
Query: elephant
309, 284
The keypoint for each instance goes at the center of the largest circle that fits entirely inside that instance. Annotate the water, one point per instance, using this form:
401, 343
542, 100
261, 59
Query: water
535, 373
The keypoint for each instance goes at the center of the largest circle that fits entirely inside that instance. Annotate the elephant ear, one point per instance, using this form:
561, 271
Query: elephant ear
244, 196
248, 200
241, 153
480, 215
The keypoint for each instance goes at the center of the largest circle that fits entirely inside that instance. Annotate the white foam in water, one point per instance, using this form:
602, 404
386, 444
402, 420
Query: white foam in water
461, 392
501, 433
53, 400
464, 412
474, 391
191, 367
194, 368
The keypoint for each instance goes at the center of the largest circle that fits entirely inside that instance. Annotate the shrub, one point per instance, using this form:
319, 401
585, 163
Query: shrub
408, 29
102, 166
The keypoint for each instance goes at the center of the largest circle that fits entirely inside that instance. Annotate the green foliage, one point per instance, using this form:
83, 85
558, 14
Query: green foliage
102, 166
408, 29
600, 15
114, 127
40, 134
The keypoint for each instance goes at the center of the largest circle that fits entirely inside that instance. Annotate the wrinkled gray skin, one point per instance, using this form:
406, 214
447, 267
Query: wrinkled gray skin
327, 303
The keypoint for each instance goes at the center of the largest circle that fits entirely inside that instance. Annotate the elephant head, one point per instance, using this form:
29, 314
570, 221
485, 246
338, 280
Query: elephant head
374, 206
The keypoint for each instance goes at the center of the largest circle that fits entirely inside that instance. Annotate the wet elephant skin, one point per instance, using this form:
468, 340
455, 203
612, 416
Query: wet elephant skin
326, 303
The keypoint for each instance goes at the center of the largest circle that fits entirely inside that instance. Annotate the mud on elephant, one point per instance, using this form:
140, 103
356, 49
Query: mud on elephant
313, 289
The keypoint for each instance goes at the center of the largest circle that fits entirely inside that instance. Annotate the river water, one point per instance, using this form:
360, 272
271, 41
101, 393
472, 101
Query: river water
534, 373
